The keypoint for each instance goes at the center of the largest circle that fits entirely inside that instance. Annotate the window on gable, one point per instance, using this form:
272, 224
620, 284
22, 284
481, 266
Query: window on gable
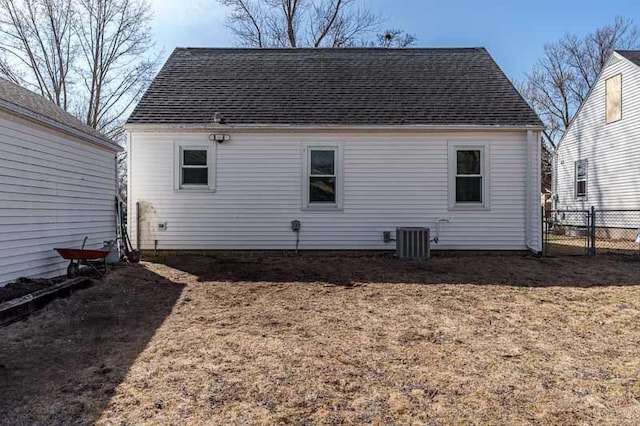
468, 179
582, 170
194, 166
322, 176
613, 95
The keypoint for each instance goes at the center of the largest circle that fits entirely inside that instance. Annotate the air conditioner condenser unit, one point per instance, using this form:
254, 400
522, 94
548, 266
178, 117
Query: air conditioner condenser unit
412, 243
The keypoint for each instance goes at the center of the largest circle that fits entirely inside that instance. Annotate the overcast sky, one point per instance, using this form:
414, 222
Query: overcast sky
514, 31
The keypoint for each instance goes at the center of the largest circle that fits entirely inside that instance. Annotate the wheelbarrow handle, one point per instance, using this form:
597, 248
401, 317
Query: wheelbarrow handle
84, 242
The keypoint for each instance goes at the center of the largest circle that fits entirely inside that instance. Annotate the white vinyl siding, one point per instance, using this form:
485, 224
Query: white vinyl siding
613, 149
388, 180
54, 191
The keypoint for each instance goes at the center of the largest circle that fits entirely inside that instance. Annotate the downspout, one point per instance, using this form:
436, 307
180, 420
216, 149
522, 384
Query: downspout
117, 205
138, 225
554, 180
527, 215
537, 179
130, 203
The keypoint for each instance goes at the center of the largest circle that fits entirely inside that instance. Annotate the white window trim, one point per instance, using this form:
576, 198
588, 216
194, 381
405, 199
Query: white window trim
306, 161
485, 171
575, 181
210, 147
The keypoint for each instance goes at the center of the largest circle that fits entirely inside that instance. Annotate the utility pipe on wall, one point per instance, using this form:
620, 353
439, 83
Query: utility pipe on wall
138, 225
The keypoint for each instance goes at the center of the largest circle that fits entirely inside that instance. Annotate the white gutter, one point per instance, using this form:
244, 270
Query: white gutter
142, 127
48, 122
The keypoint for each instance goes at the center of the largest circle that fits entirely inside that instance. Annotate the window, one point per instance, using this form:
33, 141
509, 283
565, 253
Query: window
468, 182
468, 176
194, 167
322, 178
613, 89
582, 169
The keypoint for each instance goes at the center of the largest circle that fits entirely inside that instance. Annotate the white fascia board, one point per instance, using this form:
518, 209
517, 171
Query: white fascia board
45, 121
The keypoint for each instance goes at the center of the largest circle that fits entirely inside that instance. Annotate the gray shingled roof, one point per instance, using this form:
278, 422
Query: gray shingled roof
41, 108
632, 55
333, 87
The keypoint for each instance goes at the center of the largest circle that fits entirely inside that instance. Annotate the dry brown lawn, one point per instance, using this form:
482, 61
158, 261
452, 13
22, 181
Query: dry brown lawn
326, 339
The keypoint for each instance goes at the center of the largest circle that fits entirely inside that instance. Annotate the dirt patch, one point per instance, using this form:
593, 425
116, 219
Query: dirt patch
266, 338
25, 286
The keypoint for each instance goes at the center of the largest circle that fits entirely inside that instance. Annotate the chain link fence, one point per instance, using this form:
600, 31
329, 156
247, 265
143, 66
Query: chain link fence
567, 233
591, 232
616, 231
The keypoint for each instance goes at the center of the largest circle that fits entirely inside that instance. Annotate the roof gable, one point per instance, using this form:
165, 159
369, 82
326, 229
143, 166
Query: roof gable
633, 56
333, 87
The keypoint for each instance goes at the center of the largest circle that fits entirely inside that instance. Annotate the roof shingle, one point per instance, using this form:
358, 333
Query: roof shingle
632, 55
361, 86
42, 108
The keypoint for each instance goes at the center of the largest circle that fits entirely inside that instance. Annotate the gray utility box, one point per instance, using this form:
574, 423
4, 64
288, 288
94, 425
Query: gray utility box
412, 243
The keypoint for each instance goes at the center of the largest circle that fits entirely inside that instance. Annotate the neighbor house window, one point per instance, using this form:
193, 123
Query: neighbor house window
582, 170
194, 166
322, 177
468, 185
613, 96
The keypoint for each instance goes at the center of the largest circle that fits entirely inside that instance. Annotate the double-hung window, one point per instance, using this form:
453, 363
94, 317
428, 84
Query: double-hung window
468, 182
194, 167
581, 171
322, 186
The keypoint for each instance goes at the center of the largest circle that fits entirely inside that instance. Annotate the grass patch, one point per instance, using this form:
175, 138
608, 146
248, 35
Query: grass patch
264, 338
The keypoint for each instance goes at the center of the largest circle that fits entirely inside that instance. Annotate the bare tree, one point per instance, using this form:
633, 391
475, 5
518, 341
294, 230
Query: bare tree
91, 57
115, 38
123, 174
560, 81
309, 23
37, 46
88, 56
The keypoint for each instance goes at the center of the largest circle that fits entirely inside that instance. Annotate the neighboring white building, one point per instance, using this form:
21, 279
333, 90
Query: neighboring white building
597, 162
57, 185
228, 146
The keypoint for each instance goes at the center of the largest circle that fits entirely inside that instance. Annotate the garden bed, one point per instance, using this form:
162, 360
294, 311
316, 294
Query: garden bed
24, 286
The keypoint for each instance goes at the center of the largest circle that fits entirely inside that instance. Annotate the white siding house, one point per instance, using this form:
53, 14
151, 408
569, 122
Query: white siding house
313, 135
57, 185
597, 162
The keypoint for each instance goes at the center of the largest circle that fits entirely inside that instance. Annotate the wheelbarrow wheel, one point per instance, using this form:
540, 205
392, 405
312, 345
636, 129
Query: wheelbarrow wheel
72, 270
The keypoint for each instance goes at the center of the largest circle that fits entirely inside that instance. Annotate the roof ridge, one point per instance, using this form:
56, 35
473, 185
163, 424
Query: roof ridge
332, 49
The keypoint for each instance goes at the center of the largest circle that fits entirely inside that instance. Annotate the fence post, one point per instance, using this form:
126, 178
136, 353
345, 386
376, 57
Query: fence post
542, 228
592, 230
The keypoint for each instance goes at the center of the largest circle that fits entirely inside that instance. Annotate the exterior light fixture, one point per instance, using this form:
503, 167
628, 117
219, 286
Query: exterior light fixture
216, 137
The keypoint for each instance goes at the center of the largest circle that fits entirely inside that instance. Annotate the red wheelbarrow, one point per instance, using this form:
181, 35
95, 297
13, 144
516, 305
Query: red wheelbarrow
96, 259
